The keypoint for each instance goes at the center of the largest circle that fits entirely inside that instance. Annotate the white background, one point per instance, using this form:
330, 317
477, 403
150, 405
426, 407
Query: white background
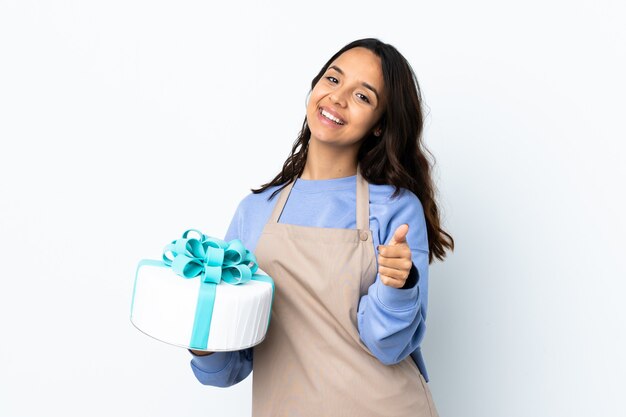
123, 123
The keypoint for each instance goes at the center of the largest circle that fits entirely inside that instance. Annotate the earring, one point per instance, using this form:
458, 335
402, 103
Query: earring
377, 132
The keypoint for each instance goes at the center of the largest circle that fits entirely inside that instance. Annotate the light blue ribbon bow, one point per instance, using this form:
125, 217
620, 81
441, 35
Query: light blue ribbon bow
213, 260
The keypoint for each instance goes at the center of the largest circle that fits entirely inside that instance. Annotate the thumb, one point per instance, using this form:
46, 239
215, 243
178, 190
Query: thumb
399, 236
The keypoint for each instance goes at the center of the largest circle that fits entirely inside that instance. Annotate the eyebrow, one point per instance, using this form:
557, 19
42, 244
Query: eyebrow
366, 85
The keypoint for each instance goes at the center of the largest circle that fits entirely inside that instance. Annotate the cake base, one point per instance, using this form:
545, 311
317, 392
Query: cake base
164, 307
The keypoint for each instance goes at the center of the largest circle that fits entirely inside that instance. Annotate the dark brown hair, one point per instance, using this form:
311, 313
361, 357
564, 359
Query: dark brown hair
398, 157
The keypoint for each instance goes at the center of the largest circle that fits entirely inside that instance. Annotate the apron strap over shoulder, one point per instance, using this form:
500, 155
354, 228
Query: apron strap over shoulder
362, 201
280, 204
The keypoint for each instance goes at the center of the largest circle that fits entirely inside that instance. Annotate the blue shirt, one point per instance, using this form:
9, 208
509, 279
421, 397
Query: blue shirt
391, 321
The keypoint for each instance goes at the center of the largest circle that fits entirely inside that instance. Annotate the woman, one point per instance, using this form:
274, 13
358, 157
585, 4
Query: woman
349, 311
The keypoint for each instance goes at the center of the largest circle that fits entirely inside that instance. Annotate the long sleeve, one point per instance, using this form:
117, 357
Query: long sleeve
391, 321
224, 369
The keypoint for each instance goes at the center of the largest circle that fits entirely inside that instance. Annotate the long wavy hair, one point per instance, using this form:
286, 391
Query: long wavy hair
398, 157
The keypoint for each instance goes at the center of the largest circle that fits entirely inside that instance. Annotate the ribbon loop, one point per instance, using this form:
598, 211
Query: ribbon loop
200, 235
213, 260
235, 253
212, 275
214, 256
236, 274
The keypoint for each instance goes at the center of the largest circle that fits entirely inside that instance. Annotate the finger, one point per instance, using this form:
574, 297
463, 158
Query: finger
396, 251
399, 274
399, 236
392, 282
395, 263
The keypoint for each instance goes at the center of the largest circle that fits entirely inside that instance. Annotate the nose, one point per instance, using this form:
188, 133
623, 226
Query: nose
338, 97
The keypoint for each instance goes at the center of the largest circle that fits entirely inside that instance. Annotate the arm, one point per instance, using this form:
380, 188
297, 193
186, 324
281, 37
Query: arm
223, 369
391, 318
391, 321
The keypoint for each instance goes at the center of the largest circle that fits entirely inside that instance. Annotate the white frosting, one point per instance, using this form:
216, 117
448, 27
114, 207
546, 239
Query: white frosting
164, 306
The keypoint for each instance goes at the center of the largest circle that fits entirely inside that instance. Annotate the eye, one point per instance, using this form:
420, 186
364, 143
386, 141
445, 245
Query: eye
363, 97
332, 80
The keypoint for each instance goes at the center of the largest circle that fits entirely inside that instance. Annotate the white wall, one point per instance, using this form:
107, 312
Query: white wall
122, 123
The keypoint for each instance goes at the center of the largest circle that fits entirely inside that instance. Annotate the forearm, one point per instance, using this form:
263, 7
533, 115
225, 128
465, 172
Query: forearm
391, 321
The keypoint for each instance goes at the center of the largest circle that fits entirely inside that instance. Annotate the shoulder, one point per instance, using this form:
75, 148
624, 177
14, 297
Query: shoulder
392, 211
254, 199
258, 201
252, 212
406, 200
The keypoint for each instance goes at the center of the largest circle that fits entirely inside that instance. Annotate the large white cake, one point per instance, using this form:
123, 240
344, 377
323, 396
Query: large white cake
164, 307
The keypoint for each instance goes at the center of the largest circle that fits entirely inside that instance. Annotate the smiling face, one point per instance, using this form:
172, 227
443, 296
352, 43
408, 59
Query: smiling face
348, 101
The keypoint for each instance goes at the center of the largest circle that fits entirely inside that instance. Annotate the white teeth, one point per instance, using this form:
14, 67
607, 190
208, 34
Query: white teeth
331, 117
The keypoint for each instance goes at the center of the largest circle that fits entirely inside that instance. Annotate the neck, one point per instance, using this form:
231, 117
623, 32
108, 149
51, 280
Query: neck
327, 162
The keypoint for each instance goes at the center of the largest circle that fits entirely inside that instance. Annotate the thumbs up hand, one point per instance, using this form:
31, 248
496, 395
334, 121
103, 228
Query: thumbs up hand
394, 259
